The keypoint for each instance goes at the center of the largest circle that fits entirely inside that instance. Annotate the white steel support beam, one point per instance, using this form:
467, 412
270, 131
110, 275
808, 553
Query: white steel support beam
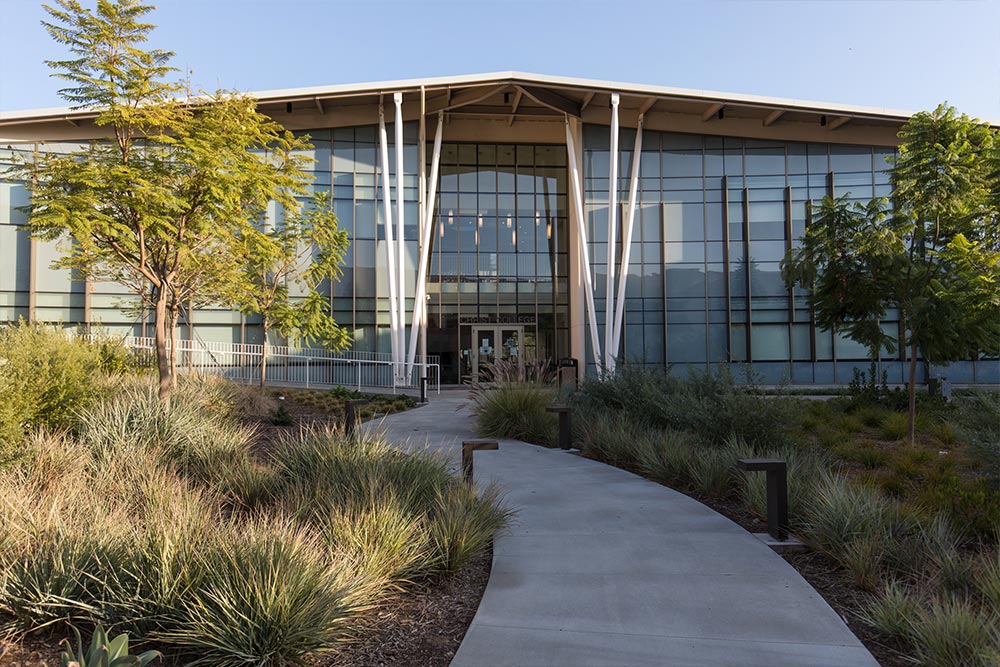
401, 254
390, 246
609, 303
420, 295
581, 228
633, 192
424, 222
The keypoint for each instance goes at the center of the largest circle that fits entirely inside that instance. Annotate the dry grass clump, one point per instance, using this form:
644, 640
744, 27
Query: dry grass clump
157, 520
512, 404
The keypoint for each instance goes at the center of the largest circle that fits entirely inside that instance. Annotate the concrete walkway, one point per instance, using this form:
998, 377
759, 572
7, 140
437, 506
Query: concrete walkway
603, 568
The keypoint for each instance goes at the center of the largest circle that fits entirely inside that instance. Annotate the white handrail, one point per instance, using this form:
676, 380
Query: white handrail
306, 366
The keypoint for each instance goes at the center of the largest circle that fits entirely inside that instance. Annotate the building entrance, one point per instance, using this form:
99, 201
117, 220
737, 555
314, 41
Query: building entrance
491, 343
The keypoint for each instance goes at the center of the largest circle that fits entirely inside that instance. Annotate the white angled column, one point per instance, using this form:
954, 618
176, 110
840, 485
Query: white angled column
420, 294
401, 247
389, 241
609, 304
581, 228
633, 193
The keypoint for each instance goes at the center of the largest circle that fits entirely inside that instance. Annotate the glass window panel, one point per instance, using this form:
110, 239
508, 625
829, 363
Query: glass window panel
684, 252
682, 163
684, 222
686, 280
769, 342
764, 158
850, 158
686, 343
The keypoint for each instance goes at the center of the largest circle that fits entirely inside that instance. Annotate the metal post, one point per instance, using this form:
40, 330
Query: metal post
470, 446
777, 493
351, 414
565, 425
423, 388
307, 372
581, 224
609, 302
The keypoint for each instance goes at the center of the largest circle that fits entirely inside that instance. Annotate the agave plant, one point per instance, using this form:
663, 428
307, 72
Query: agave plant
103, 653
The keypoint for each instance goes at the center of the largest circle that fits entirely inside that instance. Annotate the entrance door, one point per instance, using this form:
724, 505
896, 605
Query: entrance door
492, 343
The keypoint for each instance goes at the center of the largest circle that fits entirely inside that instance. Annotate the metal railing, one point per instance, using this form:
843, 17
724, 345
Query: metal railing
309, 367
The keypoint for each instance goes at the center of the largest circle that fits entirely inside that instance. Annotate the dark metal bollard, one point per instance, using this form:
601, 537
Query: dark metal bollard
470, 446
351, 414
565, 428
423, 389
777, 493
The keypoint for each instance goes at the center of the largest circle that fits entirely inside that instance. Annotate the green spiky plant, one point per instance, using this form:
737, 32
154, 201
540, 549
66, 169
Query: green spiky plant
103, 653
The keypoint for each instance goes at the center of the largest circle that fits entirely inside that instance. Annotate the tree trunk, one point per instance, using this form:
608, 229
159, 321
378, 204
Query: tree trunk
163, 364
263, 356
913, 394
173, 349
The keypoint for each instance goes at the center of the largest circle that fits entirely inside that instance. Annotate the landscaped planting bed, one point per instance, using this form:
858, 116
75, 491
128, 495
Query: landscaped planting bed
904, 535
166, 522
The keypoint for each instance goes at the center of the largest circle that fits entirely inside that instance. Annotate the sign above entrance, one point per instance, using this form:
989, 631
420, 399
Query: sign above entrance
497, 319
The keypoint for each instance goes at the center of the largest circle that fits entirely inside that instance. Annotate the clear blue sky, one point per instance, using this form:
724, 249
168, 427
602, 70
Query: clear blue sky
906, 55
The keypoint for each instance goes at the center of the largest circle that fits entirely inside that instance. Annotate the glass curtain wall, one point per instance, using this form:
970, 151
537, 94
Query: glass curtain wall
715, 217
499, 251
498, 246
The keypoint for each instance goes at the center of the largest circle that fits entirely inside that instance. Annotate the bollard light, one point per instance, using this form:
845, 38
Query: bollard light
565, 426
777, 493
470, 446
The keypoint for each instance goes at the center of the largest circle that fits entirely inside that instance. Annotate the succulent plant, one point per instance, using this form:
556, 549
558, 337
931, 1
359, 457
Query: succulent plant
103, 653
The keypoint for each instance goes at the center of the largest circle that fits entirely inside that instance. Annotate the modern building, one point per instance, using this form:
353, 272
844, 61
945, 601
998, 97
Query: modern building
508, 221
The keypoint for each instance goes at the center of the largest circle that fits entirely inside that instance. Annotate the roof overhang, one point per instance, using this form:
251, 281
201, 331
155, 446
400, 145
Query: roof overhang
535, 97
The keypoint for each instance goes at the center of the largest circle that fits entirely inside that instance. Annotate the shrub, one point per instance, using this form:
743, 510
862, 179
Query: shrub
895, 426
462, 524
614, 438
513, 409
45, 376
156, 520
864, 558
382, 539
710, 405
891, 612
988, 579
268, 598
950, 632
978, 423
841, 511
666, 457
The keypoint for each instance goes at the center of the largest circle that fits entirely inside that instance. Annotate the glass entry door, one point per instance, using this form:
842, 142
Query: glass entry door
492, 343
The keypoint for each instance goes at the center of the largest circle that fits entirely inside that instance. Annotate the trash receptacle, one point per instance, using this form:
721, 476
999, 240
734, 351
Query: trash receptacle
569, 376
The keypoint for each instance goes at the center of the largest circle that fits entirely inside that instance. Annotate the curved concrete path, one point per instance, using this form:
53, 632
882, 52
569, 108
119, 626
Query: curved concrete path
603, 568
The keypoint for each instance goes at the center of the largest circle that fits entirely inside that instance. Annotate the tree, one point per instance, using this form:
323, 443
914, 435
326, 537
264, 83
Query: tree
845, 254
162, 203
304, 251
935, 259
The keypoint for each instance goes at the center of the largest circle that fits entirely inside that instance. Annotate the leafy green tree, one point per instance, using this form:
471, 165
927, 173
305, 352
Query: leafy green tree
935, 259
163, 201
283, 270
845, 250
